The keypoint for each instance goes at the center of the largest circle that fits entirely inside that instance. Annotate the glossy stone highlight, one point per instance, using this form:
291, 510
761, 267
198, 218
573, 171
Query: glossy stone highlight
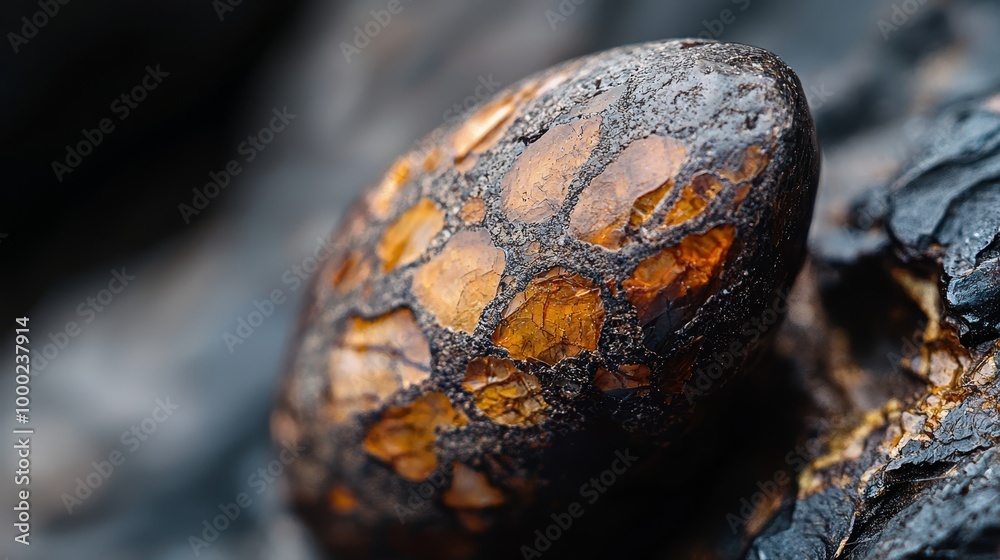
628, 191
407, 238
537, 184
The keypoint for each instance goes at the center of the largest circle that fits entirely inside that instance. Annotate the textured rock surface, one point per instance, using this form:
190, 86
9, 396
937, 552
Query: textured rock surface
576, 253
913, 471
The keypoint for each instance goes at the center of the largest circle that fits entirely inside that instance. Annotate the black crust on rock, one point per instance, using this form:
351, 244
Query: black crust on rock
716, 98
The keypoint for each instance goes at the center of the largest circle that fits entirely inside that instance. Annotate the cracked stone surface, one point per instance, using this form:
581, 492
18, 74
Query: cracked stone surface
555, 269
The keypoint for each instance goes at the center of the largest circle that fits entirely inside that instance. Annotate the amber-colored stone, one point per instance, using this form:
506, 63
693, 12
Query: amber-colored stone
479, 126
432, 159
374, 360
342, 500
405, 435
351, 272
754, 161
536, 185
558, 315
457, 284
694, 199
471, 489
629, 377
627, 191
683, 271
381, 200
506, 394
646, 204
473, 211
486, 127
408, 237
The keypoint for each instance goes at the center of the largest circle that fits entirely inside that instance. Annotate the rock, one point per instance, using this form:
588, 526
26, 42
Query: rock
539, 290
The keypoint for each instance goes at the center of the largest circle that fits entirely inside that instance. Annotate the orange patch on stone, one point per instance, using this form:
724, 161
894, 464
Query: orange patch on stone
352, 270
629, 377
471, 489
681, 274
342, 500
406, 239
506, 394
694, 199
432, 159
381, 199
473, 211
627, 191
374, 359
536, 185
754, 161
404, 437
558, 315
457, 284
481, 125
486, 127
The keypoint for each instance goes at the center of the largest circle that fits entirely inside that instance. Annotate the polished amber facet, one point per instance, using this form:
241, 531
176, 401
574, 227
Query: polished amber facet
484, 122
408, 237
405, 435
558, 315
381, 200
536, 185
694, 199
504, 393
374, 359
352, 270
486, 127
628, 190
680, 272
471, 489
628, 378
457, 284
